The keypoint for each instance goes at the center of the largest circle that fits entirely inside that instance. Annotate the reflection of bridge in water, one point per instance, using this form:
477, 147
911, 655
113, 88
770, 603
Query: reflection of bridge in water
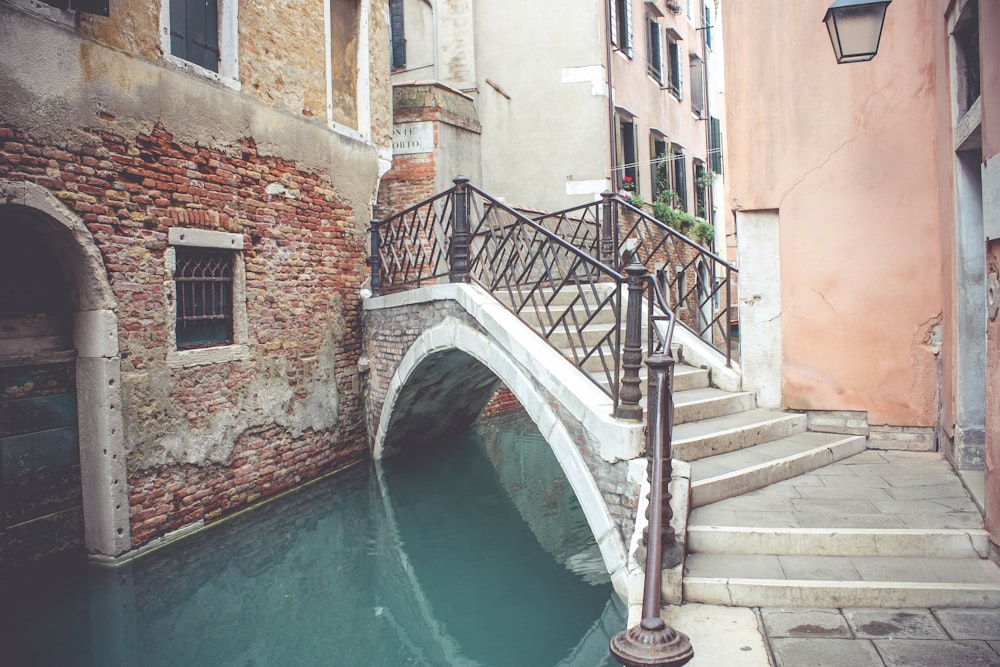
429, 560
482, 538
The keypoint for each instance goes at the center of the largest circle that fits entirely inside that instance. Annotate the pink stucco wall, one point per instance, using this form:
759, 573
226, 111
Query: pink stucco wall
846, 154
989, 21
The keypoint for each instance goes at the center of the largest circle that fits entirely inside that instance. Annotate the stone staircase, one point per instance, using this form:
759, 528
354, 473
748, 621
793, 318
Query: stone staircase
783, 516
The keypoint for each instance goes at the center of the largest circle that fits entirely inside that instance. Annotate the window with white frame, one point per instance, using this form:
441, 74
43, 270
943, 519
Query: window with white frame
654, 49
628, 171
209, 322
621, 25
659, 162
678, 177
708, 25
702, 178
397, 34
674, 80
203, 36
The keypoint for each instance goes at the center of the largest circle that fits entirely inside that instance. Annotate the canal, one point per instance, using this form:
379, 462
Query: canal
466, 552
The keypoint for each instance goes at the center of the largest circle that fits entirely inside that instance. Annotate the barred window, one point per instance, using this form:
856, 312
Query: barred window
204, 285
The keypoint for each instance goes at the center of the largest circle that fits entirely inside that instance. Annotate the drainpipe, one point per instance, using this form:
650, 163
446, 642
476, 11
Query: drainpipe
609, 52
708, 119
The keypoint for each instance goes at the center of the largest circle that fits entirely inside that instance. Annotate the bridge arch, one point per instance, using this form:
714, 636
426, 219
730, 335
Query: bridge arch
453, 341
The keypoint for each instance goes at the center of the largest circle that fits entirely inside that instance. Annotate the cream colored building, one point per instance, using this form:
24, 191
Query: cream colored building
552, 136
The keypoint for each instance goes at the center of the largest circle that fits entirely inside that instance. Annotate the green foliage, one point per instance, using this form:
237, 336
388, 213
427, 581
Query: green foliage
704, 233
698, 229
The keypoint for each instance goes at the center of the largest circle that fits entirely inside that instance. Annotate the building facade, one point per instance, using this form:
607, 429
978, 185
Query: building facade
552, 136
864, 200
185, 189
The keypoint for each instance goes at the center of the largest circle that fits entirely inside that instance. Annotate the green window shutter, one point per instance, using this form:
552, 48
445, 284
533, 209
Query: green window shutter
680, 166
715, 154
708, 26
396, 29
194, 32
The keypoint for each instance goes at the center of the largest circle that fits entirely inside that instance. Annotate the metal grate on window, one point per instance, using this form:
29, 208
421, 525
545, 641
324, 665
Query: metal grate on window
204, 284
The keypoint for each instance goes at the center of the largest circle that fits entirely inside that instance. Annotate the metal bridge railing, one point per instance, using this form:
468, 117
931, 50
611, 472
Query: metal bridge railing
572, 298
697, 284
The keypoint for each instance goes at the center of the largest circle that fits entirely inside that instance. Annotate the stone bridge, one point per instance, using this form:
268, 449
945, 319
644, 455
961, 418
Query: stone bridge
437, 354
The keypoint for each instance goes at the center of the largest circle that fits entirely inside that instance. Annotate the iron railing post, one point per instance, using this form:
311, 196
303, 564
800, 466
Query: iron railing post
630, 394
461, 236
373, 260
729, 318
608, 247
653, 643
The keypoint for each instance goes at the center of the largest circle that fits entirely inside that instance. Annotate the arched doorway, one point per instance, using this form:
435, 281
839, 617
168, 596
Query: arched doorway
59, 357
41, 499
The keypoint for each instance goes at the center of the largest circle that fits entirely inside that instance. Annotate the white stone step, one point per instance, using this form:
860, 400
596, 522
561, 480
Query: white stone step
709, 402
732, 473
834, 581
885, 542
535, 316
708, 437
564, 297
589, 335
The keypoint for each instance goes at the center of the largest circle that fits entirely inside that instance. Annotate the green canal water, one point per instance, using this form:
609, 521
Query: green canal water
470, 552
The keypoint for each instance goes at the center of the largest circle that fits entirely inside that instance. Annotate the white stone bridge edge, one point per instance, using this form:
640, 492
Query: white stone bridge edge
586, 403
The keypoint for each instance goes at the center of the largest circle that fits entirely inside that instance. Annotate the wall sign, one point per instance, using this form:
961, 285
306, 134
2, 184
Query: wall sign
410, 138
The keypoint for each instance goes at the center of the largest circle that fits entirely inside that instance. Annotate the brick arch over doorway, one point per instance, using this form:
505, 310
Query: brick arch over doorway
94, 337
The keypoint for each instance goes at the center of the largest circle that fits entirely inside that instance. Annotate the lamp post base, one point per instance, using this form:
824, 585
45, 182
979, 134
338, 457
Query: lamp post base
652, 643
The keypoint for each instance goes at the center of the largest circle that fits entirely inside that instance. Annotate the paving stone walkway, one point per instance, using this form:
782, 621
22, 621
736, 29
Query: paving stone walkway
801, 637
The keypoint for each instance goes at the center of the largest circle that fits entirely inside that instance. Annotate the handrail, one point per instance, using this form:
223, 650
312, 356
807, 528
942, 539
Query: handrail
652, 642
697, 283
571, 297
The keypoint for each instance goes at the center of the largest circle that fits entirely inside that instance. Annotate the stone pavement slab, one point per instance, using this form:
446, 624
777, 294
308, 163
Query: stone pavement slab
826, 653
930, 653
971, 623
720, 636
797, 622
894, 624
857, 637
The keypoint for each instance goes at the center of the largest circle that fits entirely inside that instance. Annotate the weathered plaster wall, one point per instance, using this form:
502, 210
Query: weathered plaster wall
545, 123
283, 55
834, 149
134, 147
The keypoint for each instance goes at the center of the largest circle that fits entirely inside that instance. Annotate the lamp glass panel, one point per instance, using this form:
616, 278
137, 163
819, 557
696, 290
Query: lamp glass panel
858, 29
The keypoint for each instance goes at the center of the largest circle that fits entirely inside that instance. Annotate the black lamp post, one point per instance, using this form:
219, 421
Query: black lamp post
855, 28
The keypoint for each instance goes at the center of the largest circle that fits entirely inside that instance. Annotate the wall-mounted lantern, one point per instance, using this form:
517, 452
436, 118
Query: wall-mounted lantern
855, 28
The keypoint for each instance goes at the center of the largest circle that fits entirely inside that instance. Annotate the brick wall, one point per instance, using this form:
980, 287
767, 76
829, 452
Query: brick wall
203, 441
503, 401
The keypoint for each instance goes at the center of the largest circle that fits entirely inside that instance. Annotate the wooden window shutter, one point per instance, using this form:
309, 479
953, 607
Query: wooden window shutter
398, 34
194, 32
627, 37
613, 18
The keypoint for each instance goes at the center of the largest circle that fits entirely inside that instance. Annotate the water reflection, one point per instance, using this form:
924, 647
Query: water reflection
432, 559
